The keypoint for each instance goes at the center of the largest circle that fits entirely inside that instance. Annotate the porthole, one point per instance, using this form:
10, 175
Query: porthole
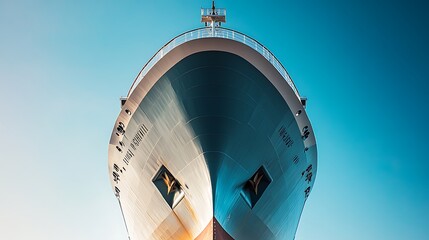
118, 148
121, 128
127, 111
298, 112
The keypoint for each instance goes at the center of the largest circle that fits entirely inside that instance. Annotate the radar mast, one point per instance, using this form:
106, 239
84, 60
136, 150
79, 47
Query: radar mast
213, 17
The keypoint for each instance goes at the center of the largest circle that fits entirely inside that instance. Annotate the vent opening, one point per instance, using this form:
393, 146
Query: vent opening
169, 187
255, 187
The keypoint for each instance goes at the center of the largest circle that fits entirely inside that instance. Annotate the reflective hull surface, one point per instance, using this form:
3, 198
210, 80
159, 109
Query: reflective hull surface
212, 144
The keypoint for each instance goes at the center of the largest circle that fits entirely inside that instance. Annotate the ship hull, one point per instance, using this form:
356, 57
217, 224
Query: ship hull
211, 116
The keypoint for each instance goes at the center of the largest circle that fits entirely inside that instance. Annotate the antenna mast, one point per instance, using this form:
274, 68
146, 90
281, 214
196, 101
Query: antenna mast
213, 16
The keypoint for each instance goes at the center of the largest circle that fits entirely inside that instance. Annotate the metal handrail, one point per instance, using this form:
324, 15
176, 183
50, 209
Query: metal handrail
218, 33
210, 11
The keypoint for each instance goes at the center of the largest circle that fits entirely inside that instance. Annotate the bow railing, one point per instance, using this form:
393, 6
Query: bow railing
218, 33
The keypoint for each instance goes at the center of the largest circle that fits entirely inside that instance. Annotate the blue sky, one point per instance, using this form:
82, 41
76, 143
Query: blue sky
362, 64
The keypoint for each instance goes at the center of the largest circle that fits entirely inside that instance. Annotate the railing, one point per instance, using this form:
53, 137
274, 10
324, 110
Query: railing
209, 11
219, 33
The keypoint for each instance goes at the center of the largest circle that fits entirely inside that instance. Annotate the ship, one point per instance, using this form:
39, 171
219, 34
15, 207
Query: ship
212, 141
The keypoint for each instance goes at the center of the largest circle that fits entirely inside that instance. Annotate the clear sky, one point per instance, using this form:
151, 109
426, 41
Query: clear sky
362, 64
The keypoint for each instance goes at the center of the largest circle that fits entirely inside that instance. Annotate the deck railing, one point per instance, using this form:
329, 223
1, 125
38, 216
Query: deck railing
209, 11
219, 33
